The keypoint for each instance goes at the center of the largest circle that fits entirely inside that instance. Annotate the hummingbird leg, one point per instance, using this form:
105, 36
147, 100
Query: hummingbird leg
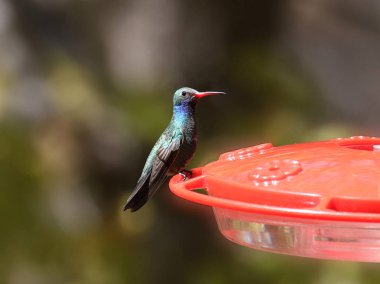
186, 174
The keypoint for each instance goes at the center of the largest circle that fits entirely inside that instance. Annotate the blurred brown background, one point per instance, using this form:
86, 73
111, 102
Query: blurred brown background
86, 88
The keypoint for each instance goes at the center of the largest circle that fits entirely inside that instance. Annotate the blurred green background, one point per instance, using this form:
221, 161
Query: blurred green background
86, 88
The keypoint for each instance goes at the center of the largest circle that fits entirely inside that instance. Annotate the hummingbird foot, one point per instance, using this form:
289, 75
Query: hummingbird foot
186, 174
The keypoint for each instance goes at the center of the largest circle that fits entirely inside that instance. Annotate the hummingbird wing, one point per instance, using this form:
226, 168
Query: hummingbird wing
153, 177
166, 155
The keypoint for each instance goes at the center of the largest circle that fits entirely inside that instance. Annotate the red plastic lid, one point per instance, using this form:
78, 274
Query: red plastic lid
336, 180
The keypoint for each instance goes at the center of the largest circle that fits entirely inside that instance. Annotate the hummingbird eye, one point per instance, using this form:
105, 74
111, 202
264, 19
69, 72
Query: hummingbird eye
183, 93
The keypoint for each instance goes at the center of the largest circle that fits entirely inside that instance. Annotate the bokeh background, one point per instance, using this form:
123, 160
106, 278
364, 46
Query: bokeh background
86, 88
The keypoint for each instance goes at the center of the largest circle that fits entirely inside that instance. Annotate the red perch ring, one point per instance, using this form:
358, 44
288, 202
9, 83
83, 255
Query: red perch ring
319, 199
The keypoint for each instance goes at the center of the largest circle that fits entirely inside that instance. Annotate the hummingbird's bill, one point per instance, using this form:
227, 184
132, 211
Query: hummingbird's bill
205, 94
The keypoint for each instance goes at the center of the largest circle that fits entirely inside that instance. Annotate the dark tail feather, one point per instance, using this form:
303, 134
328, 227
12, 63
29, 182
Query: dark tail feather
138, 197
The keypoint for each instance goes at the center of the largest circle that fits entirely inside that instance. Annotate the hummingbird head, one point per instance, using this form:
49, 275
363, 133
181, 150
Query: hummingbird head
190, 97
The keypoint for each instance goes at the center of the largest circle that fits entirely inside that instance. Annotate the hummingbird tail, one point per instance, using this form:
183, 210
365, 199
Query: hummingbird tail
138, 197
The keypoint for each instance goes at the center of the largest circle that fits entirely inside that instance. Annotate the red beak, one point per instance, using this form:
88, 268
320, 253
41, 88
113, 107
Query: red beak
205, 94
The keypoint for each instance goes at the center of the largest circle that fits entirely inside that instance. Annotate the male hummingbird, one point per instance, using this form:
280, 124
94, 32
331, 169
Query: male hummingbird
173, 150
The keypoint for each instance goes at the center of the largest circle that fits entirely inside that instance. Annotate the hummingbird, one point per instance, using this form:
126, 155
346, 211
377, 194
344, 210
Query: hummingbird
172, 151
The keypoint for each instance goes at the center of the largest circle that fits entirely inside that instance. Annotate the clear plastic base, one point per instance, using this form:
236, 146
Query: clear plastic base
302, 237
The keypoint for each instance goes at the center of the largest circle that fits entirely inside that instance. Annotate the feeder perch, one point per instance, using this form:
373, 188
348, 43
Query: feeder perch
319, 199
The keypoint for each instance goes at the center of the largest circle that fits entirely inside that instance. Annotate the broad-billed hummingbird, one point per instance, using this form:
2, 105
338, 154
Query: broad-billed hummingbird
172, 151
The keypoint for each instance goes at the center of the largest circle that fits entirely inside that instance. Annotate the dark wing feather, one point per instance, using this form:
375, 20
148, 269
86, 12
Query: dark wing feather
148, 183
164, 159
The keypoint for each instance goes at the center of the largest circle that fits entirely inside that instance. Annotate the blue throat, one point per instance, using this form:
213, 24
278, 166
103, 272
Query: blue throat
183, 110
183, 113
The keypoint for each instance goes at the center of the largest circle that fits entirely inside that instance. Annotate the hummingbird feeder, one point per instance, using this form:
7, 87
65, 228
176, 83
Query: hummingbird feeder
319, 199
